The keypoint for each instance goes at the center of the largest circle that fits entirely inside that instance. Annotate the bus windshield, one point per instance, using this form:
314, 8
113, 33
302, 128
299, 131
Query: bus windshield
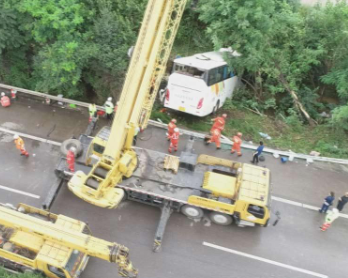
187, 70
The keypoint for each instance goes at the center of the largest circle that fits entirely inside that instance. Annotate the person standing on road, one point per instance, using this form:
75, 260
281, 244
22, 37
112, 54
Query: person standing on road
215, 137
70, 159
174, 140
5, 100
237, 142
257, 154
109, 108
219, 123
327, 202
20, 145
171, 127
342, 201
330, 217
135, 137
92, 108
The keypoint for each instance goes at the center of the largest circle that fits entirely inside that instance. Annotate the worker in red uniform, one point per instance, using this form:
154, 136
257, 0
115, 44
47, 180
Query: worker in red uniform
20, 145
5, 100
70, 159
219, 123
237, 142
174, 140
215, 137
171, 127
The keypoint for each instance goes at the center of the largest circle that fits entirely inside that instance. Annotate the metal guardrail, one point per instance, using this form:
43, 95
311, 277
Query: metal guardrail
224, 139
47, 96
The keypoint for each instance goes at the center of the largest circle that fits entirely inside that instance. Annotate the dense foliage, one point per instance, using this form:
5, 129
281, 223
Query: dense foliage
293, 57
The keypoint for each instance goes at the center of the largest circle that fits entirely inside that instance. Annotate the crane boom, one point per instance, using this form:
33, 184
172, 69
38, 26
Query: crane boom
62, 233
145, 72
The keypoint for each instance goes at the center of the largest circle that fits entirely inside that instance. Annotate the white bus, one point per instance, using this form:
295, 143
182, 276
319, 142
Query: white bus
200, 84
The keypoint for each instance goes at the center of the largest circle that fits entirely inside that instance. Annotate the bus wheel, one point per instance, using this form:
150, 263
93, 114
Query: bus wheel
192, 212
220, 218
216, 107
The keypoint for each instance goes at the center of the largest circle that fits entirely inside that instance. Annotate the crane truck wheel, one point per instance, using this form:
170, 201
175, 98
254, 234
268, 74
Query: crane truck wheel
192, 212
67, 144
220, 218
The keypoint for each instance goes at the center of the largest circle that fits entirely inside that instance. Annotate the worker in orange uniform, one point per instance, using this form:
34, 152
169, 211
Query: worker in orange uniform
237, 142
171, 127
20, 145
219, 123
215, 137
5, 100
174, 140
70, 159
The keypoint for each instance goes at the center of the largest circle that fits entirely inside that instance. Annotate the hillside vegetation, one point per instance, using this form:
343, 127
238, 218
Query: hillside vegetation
293, 64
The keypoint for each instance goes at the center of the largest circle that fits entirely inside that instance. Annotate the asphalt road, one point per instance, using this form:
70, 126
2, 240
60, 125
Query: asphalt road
295, 248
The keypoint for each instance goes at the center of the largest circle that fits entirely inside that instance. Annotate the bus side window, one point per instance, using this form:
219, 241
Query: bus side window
226, 72
220, 75
212, 77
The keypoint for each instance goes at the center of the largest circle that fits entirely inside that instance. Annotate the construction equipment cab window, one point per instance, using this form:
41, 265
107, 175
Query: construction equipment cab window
258, 212
57, 271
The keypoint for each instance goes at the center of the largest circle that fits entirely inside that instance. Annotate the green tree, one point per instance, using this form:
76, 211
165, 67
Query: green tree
270, 36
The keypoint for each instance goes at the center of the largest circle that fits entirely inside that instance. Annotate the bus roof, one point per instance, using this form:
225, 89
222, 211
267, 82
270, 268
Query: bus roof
205, 61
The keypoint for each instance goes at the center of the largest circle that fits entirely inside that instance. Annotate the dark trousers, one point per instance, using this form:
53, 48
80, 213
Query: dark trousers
109, 116
256, 158
324, 208
340, 205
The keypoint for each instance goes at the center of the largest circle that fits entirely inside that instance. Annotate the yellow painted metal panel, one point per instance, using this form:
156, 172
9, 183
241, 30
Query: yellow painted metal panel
27, 240
211, 204
220, 185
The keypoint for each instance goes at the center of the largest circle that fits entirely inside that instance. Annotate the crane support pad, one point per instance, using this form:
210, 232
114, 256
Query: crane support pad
171, 163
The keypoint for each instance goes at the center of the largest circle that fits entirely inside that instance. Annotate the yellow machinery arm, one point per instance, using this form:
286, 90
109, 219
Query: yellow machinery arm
145, 72
62, 235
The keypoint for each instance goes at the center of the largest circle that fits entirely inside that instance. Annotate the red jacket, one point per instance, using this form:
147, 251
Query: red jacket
70, 157
171, 127
174, 139
5, 101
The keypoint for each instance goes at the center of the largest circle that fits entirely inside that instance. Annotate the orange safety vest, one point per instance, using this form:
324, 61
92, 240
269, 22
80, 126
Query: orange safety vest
19, 143
219, 123
237, 141
175, 138
171, 127
5, 101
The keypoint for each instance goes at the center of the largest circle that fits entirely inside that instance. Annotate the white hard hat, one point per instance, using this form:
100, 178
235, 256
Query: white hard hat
73, 149
109, 98
15, 137
2, 94
176, 129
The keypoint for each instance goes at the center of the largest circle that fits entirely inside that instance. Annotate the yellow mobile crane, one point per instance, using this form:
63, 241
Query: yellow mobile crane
34, 240
229, 191
145, 72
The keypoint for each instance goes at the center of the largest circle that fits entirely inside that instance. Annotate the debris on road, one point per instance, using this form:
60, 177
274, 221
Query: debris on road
314, 153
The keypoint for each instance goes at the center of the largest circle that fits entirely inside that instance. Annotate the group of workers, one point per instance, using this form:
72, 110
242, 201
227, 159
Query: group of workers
173, 135
109, 107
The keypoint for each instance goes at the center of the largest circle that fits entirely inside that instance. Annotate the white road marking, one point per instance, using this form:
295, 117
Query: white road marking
265, 260
30, 136
19, 192
298, 204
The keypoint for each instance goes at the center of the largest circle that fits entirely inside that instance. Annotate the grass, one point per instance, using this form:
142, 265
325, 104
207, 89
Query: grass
286, 134
6, 274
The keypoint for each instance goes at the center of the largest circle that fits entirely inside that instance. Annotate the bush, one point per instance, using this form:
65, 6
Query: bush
5, 274
340, 117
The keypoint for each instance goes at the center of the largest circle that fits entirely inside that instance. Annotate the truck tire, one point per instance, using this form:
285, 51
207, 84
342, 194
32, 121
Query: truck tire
67, 144
192, 212
220, 218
